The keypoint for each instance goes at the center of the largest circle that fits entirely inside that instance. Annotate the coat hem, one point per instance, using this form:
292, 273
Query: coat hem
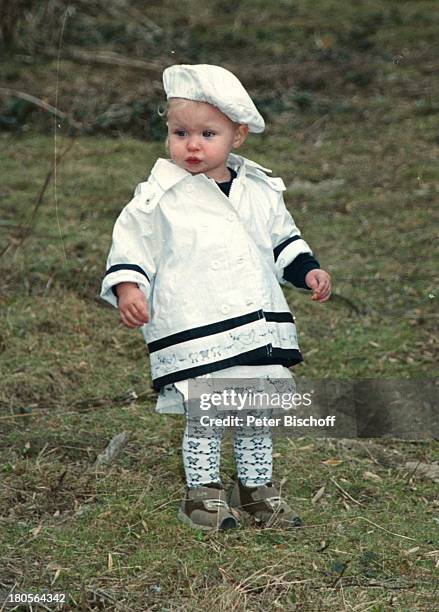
268, 354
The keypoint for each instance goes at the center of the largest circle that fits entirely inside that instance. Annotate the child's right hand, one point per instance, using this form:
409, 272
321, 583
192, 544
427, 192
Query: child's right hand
132, 304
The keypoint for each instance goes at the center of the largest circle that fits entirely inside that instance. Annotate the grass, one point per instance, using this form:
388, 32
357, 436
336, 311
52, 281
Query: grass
114, 533
358, 108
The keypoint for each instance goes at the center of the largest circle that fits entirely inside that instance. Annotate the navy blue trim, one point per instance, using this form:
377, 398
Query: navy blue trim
261, 356
204, 330
279, 317
292, 356
132, 267
296, 271
280, 247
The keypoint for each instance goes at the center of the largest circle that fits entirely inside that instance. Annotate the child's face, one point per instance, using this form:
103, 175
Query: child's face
201, 137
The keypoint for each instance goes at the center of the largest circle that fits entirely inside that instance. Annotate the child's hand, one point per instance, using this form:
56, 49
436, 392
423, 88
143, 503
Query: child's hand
132, 305
320, 282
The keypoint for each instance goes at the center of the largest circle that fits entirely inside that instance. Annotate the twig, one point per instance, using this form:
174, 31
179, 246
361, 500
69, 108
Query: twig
318, 495
26, 229
340, 488
6, 91
110, 58
399, 535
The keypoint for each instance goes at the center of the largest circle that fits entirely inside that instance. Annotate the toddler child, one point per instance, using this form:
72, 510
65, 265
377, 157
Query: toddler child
196, 261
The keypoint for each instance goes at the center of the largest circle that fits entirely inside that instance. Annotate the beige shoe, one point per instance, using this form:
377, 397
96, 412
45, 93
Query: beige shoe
265, 505
205, 507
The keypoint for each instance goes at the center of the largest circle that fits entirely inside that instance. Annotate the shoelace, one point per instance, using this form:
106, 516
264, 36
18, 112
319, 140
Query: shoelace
214, 504
274, 502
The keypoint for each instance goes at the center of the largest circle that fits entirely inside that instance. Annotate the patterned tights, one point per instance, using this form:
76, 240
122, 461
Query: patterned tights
253, 453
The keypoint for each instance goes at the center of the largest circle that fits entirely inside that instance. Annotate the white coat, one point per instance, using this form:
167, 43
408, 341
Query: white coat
210, 267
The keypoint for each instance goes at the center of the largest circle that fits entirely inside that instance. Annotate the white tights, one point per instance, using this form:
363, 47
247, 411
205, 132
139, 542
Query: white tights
253, 453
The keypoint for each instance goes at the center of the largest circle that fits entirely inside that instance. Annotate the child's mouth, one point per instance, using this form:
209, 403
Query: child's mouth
193, 160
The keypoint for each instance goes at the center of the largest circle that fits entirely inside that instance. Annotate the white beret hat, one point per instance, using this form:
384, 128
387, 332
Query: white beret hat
217, 86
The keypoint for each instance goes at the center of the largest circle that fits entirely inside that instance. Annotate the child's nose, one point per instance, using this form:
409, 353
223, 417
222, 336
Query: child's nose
193, 143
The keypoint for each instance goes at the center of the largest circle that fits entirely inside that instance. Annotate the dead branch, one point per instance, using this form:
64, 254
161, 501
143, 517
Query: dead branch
40, 103
110, 58
113, 450
26, 229
345, 493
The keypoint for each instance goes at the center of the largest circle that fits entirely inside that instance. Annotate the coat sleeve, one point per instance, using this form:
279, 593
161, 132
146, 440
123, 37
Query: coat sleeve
287, 242
131, 256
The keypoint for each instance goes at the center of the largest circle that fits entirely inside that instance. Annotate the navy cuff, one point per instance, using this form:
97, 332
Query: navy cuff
296, 271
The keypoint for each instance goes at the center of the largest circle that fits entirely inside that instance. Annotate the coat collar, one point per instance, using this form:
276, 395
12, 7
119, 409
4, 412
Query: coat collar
238, 161
167, 174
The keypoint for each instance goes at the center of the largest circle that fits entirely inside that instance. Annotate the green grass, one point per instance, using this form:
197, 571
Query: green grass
117, 529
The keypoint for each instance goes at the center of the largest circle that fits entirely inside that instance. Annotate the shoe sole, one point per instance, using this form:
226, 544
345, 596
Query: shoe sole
226, 524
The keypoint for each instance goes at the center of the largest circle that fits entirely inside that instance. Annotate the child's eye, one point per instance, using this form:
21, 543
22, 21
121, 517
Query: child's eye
208, 133
180, 132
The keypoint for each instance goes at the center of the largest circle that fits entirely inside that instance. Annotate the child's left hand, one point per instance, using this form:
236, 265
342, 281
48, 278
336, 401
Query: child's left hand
320, 282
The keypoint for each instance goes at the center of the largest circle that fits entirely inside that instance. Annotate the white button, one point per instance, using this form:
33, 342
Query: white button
231, 217
240, 260
215, 265
225, 309
190, 189
249, 303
